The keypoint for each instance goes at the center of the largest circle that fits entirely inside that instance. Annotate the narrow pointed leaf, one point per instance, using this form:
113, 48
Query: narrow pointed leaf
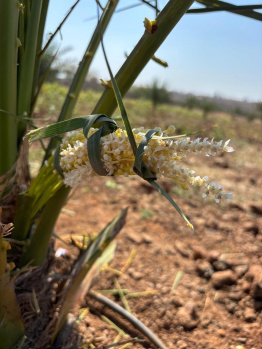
85, 262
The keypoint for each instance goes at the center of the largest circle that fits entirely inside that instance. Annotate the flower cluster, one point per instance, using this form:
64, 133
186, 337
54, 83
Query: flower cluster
162, 155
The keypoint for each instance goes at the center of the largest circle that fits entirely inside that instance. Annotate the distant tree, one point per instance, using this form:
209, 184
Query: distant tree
191, 102
159, 94
154, 92
259, 109
207, 106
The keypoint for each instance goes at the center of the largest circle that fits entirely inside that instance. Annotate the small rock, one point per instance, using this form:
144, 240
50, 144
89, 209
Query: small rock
221, 278
235, 296
254, 275
220, 265
237, 206
181, 344
249, 315
212, 223
236, 328
135, 274
134, 237
258, 305
250, 226
213, 256
231, 306
187, 316
206, 319
246, 286
221, 297
146, 238
221, 332
256, 287
241, 270
254, 270
199, 252
234, 259
183, 249
204, 268
221, 163
256, 208
242, 340
177, 301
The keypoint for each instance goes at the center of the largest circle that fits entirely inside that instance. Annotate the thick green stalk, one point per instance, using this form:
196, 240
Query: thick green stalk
217, 3
142, 53
27, 66
8, 80
41, 29
79, 78
31, 202
37, 250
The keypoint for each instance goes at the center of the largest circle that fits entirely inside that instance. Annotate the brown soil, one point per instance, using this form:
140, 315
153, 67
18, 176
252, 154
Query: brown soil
218, 300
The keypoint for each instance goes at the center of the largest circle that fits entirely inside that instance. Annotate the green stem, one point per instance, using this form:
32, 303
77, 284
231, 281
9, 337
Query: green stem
217, 3
79, 78
142, 53
27, 67
8, 81
41, 29
38, 247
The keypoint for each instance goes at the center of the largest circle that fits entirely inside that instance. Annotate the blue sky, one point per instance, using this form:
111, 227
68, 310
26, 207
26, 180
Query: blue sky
208, 54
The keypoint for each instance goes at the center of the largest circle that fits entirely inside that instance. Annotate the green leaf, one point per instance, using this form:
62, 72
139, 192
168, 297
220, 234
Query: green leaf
56, 129
85, 263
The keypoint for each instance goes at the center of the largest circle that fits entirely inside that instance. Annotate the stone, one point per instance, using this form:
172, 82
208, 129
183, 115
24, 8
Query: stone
235, 296
256, 208
241, 269
254, 276
234, 259
134, 237
231, 306
176, 301
181, 344
222, 278
221, 297
206, 319
256, 287
237, 206
204, 268
220, 265
254, 270
198, 252
147, 239
221, 163
246, 286
250, 226
258, 305
213, 256
183, 249
221, 332
187, 317
135, 274
249, 315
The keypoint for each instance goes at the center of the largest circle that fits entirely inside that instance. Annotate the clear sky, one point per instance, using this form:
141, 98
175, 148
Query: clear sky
208, 54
